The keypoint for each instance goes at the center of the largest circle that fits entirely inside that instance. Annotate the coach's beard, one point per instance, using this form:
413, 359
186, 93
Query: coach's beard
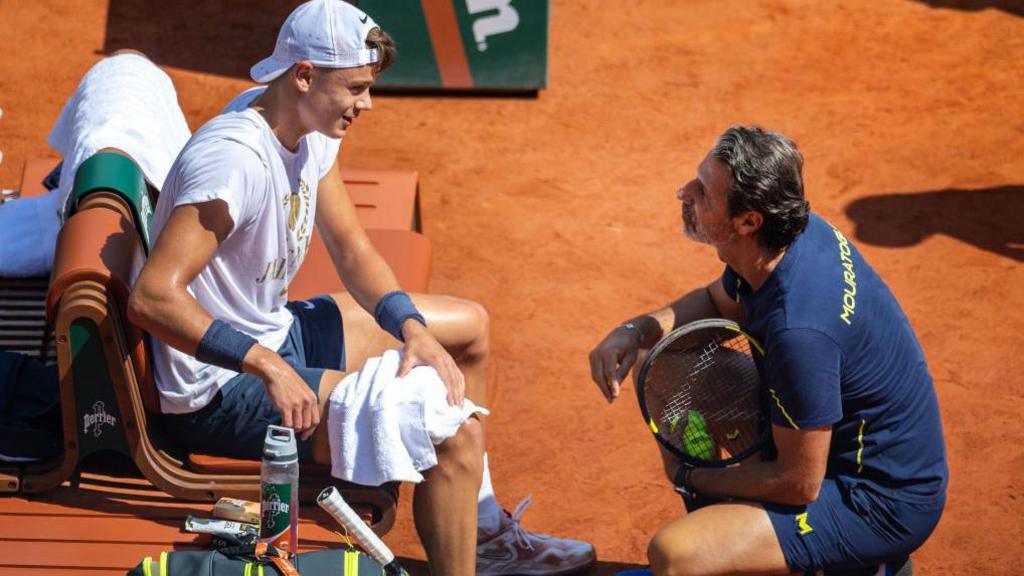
690, 228
713, 236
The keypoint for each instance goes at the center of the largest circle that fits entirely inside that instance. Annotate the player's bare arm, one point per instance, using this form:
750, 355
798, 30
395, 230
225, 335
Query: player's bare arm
793, 479
368, 278
612, 359
161, 304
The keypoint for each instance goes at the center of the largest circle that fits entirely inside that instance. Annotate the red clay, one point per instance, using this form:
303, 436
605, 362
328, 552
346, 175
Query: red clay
558, 213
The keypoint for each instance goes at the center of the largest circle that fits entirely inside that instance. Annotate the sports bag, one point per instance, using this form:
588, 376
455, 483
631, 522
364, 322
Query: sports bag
241, 561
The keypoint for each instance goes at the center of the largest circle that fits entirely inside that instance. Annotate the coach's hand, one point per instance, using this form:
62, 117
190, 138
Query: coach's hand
611, 360
422, 349
295, 402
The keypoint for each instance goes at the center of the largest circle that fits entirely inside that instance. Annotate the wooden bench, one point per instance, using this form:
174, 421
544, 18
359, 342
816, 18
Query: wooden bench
108, 396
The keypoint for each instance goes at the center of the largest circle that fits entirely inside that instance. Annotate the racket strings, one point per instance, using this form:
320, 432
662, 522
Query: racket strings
709, 391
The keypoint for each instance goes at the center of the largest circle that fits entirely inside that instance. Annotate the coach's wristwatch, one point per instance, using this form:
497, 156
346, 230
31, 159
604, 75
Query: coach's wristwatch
681, 482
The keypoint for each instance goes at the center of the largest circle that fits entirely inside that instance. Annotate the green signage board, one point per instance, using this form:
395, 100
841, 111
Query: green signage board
465, 44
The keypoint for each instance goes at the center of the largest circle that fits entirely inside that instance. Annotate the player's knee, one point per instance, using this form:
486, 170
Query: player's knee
481, 321
476, 324
463, 453
672, 556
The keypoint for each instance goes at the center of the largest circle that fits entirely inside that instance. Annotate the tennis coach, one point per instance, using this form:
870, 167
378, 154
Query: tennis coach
858, 475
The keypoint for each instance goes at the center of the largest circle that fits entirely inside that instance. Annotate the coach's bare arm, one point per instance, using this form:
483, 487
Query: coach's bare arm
161, 305
794, 478
368, 278
611, 360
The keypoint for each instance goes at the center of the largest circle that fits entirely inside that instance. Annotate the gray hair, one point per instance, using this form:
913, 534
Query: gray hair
767, 178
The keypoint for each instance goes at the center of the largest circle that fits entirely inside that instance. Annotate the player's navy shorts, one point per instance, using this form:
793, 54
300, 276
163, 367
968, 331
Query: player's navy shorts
852, 524
850, 529
235, 422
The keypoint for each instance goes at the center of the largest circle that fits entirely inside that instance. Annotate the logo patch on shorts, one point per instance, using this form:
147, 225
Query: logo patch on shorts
801, 524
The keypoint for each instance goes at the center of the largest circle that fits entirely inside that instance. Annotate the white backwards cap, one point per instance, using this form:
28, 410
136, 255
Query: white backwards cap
327, 33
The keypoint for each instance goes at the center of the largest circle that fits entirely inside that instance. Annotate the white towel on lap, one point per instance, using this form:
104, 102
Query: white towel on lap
383, 428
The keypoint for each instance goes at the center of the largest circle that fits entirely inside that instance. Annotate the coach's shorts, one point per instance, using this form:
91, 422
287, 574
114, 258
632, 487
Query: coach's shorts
235, 422
850, 525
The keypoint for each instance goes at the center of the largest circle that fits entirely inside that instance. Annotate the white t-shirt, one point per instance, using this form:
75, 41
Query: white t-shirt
270, 193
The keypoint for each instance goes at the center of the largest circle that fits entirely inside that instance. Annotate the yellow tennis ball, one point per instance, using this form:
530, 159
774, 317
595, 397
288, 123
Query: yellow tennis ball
696, 440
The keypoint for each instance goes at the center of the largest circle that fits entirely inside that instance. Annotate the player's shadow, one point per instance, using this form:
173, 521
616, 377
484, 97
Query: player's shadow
225, 37
991, 218
1015, 7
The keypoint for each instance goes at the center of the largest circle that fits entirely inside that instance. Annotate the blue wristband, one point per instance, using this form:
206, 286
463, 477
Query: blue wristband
224, 346
393, 310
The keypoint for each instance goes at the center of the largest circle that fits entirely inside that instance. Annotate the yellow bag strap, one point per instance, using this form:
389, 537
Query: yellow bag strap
163, 564
147, 566
351, 563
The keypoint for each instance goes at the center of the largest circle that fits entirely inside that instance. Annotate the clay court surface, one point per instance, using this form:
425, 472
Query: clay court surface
558, 213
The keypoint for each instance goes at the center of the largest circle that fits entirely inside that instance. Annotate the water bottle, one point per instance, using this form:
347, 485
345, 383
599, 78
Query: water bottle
279, 487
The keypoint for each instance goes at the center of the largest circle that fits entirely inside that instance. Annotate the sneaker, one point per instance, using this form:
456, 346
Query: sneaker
513, 550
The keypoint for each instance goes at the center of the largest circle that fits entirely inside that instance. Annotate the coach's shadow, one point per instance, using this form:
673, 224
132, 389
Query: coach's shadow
1015, 7
991, 218
224, 37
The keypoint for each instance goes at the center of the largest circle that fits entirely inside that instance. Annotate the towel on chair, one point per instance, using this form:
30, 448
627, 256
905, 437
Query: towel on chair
122, 102
383, 428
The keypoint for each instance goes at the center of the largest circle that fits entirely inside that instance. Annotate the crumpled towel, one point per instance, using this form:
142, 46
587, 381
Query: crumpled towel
122, 102
383, 428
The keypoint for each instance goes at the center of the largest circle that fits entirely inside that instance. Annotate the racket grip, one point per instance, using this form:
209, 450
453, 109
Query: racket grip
332, 502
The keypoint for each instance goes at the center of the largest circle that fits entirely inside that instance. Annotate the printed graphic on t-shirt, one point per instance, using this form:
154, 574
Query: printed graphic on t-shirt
300, 225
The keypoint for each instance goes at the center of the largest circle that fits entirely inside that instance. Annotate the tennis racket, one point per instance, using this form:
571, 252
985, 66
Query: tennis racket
700, 394
332, 503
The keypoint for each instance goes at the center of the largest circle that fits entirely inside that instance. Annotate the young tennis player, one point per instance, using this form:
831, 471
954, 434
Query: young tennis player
232, 355
858, 478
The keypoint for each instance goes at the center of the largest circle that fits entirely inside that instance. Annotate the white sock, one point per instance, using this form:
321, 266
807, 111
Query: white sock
488, 514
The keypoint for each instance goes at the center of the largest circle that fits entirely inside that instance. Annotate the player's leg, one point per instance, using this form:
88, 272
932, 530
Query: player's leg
727, 538
444, 505
461, 326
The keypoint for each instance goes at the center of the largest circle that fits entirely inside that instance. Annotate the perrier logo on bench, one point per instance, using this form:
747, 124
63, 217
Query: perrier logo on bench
275, 514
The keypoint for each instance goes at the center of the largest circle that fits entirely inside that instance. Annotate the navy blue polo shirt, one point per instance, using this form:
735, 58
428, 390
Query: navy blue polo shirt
840, 352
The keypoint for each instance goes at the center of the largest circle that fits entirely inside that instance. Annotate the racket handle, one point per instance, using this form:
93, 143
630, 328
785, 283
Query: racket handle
332, 502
